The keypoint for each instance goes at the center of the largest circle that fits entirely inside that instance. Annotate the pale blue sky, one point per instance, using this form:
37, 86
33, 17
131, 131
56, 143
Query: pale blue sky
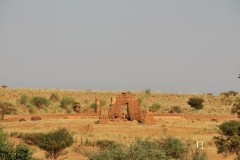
172, 46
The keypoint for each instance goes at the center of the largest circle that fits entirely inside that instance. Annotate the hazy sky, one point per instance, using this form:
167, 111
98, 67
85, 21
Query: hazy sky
172, 46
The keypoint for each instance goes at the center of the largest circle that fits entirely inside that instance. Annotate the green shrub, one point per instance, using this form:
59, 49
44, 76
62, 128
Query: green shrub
226, 94
236, 107
8, 152
155, 107
107, 144
32, 109
174, 147
139, 150
177, 109
23, 152
66, 101
147, 91
4, 86
93, 105
199, 155
209, 94
6, 147
23, 100
54, 97
234, 93
116, 154
146, 149
140, 101
228, 140
40, 102
196, 103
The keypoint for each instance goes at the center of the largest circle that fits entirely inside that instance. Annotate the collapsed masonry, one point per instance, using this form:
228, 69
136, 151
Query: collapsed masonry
116, 112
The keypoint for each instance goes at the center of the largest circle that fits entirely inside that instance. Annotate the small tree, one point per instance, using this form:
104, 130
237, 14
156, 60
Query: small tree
6, 108
228, 140
236, 107
39, 101
196, 103
55, 142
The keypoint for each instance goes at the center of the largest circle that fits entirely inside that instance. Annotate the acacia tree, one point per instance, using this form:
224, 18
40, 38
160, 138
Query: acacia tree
54, 142
6, 108
228, 140
236, 107
196, 103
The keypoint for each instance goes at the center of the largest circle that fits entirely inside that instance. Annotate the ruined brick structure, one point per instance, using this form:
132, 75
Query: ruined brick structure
133, 109
77, 107
97, 103
103, 119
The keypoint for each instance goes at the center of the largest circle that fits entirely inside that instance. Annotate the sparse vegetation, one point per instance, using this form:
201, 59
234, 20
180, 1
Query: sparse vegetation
170, 148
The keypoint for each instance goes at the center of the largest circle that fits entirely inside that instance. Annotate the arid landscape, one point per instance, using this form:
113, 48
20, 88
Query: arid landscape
190, 125
119, 80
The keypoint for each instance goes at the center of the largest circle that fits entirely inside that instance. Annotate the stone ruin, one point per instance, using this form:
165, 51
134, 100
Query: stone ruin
117, 112
104, 118
76, 107
134, 111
